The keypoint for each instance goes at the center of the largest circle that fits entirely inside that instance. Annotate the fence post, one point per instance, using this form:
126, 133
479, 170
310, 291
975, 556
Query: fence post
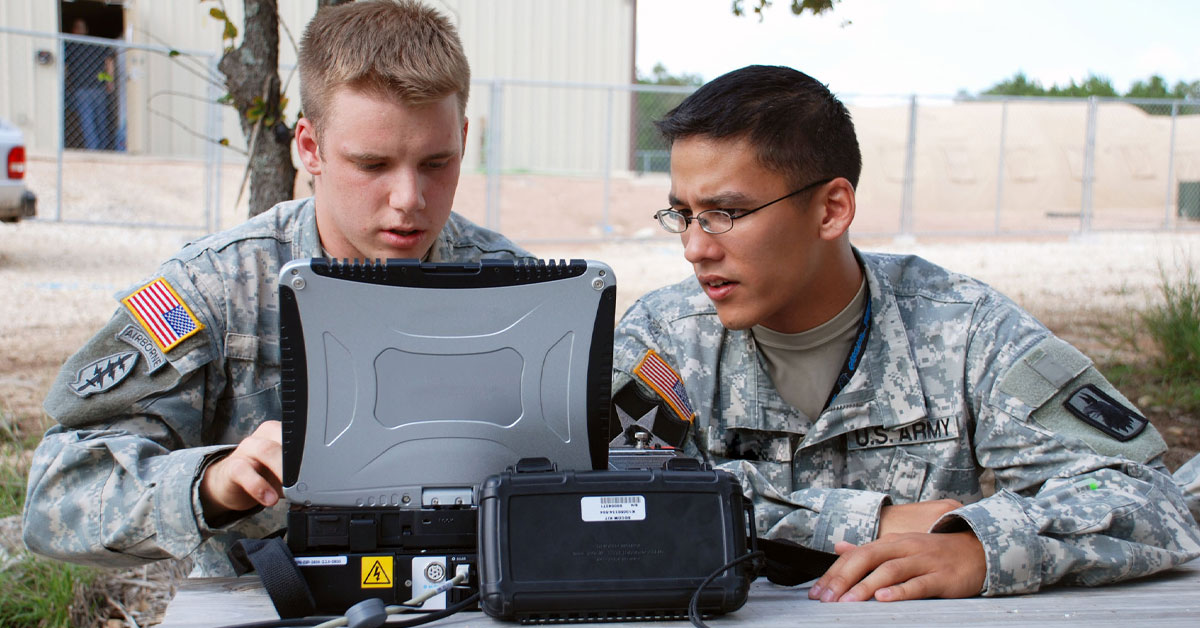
212, 219
910, 157
1000, 164
495, 120
606, 224
62, 124
1170, 167
1089, 168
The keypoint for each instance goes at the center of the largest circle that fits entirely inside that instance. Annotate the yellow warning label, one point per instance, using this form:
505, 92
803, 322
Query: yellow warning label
376, 572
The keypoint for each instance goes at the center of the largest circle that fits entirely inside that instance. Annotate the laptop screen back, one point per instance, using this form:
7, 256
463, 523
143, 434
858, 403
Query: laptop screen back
406, 384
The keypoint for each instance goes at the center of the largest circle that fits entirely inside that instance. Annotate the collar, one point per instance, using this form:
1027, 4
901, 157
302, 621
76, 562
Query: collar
886, 388
306, 242
884, 391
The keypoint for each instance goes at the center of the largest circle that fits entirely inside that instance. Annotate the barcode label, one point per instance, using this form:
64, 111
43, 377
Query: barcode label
320, 561
613, 508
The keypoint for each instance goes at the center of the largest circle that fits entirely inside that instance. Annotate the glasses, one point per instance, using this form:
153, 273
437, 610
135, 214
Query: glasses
719, 220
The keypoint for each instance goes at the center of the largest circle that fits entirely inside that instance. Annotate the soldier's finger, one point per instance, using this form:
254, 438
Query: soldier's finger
890, 572
271, 430
852, 566
250, 480
918, 588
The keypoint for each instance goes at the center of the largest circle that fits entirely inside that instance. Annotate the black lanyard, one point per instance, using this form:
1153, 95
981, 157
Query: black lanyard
855, 356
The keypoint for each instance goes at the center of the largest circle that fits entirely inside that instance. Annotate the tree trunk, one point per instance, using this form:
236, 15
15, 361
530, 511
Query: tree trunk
252, 78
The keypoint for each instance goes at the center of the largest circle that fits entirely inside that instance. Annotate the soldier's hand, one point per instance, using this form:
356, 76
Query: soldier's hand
248, 477
915, 517
909, 566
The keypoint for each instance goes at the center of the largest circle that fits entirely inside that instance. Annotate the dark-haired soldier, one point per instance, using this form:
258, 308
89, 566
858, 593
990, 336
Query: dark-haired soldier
860, 397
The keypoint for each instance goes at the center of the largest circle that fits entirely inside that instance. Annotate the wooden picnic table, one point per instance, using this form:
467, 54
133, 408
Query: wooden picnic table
1170, 598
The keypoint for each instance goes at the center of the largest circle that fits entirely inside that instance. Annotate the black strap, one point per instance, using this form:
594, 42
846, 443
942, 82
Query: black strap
789, 563
280, 576
855, 356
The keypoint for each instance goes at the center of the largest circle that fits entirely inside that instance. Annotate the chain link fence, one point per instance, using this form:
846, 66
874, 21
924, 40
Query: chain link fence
134, 134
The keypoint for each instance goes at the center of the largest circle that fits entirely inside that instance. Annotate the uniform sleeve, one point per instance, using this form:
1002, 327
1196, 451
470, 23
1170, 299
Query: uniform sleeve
813, 517
1188, 480
1082, 495
114, 483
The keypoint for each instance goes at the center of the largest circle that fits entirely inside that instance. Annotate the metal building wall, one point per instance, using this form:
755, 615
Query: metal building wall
29, 87
547, 128
544, 129
188, 26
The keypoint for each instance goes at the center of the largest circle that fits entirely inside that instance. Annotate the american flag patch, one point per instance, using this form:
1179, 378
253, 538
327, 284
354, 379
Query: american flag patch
665, 381
162, 313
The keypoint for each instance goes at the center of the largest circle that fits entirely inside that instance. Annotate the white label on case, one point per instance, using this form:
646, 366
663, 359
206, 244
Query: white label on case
320, 561
613, 508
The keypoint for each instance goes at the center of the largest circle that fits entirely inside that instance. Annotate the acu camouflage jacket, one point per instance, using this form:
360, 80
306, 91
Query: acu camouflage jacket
115, 483
958, 389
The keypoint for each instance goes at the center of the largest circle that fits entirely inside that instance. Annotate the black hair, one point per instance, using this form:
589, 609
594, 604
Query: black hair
799, 128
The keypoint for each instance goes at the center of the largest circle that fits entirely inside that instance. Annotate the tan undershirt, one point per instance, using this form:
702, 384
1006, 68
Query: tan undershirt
804, 366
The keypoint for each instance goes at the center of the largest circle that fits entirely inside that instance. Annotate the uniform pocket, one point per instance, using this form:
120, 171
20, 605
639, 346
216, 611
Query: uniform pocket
238, 416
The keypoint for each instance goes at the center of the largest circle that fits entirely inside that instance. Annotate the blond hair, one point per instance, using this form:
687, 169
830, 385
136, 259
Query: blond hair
396, 48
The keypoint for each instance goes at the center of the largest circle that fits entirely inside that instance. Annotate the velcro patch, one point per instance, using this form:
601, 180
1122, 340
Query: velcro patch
162, 314
141, 341
103, 374
1104, 413
635, 412
924, 431
659, 376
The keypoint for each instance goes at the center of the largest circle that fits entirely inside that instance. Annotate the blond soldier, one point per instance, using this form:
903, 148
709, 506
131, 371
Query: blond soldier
861, 397
168, 443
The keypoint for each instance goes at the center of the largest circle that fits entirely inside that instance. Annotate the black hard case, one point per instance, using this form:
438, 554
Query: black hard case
540, 561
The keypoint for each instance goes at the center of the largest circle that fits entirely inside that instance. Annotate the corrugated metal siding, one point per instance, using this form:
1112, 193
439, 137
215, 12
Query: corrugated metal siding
188, 26
545, 128
550, 129
27, 86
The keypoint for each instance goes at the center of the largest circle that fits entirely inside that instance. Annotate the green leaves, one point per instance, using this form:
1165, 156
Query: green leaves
260, 111
230, 31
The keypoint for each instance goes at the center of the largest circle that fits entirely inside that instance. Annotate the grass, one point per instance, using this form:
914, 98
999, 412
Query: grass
41, 593
35, 592
15, 446
1174, 325
1165, 342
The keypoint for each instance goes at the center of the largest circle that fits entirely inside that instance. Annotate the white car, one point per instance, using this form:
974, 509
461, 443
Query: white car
15, 201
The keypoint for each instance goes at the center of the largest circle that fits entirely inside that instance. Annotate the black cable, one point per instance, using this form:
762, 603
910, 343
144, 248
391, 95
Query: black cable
313, 621
425, 619
694, 605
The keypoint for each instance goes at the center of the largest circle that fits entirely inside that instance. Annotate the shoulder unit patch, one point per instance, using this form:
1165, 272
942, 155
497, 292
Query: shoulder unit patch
103, 374
162, 314
140, 340
1104, 413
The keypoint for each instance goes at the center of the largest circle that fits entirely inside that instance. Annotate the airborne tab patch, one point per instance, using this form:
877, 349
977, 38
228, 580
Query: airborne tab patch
103, 374
1104, 413
162, 314
665, 381
139, 340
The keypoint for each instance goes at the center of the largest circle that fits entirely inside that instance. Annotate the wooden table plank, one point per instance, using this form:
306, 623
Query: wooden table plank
1164, 600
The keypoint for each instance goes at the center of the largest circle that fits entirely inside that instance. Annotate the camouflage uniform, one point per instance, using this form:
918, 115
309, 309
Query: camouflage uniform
956, 380
1188, 479
115, 483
